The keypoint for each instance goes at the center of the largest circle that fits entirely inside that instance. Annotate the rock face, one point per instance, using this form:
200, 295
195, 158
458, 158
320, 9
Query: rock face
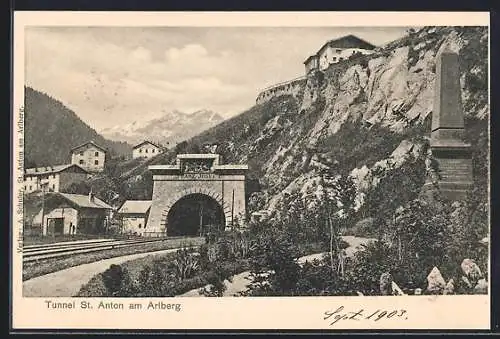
450, 287
435, 282
366, 117
386, 283
391, 90
471, 270
481, 287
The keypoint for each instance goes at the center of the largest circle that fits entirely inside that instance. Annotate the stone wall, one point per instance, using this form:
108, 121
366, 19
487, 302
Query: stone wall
293, 87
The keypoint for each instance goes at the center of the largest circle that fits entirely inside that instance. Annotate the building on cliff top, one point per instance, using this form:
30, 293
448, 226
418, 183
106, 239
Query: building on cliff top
334, 51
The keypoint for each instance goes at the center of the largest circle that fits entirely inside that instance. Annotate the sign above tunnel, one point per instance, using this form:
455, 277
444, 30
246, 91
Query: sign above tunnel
196, 166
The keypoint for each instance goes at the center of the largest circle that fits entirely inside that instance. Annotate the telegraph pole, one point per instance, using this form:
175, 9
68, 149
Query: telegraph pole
42, 185
201, 218
232, 213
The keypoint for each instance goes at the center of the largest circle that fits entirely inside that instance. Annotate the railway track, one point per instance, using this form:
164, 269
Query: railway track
59, 250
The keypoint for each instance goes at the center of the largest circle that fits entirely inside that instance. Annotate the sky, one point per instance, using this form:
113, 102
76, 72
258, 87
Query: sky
117, 75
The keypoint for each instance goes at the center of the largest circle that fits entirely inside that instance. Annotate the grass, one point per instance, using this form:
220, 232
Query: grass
36, 269
95, 286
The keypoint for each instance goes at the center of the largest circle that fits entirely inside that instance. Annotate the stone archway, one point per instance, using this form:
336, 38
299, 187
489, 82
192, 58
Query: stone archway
196, 174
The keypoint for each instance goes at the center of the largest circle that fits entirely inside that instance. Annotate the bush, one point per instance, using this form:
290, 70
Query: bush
363, 228
118, 282
185, 263
94, 288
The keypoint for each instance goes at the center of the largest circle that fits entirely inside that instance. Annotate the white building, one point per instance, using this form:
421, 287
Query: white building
65, 213
337, 50
134, 215
146, 149
89, 156
55, 178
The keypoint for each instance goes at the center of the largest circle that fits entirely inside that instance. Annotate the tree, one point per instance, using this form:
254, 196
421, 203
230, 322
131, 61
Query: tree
337, 206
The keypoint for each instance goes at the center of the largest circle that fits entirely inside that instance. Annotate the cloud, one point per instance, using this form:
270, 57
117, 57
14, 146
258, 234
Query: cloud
191, 52
120, 75
105, 81
142, 54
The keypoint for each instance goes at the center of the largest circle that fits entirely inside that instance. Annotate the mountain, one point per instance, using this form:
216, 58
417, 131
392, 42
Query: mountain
367, 118
171, 128
52, 129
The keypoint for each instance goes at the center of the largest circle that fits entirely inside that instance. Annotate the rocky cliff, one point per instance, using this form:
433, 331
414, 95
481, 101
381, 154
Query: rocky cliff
367, 117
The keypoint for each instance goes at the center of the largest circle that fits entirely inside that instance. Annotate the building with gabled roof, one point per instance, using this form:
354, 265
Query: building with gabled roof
90, 156
65, 213
53, 178
134, 216
147, 149
337, 50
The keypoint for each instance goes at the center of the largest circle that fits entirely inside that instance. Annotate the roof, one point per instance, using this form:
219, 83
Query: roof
135, 206
86, 143
50, 169
310, 57
147, 142
348, 41
84, 201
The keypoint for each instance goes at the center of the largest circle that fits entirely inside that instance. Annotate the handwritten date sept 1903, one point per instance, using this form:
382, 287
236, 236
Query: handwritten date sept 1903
340, 314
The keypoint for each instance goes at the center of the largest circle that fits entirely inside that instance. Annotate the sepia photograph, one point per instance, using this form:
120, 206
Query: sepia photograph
173, 163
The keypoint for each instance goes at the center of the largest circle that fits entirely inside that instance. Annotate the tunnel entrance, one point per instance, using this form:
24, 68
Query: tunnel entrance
195, 214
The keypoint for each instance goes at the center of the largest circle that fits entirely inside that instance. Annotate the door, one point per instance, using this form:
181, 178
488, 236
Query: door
58, 225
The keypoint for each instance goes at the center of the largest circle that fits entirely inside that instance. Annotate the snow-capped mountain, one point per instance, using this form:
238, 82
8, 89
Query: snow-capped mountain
170, 128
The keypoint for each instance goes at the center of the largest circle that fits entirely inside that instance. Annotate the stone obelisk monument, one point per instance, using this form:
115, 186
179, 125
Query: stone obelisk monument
451, 154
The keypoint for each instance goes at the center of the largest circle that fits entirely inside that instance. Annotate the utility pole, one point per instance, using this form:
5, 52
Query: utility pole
232, 213
42, 185
201, 218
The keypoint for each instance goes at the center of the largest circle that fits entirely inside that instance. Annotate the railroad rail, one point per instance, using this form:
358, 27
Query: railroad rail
58, 250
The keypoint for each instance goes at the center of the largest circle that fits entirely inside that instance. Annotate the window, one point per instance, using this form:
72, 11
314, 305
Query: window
146, 150
53, 186
96, 154
81, 162
153, 150
140, 150
31, 187
81, 153
96, 162
140, 225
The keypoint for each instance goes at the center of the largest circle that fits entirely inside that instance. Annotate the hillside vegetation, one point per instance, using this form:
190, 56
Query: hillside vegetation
52, 129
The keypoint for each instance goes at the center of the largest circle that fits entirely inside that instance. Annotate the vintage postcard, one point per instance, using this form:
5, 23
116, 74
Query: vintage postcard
239, 170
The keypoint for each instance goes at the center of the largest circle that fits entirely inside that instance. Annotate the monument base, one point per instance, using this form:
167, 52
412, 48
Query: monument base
451, 191
454, 169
